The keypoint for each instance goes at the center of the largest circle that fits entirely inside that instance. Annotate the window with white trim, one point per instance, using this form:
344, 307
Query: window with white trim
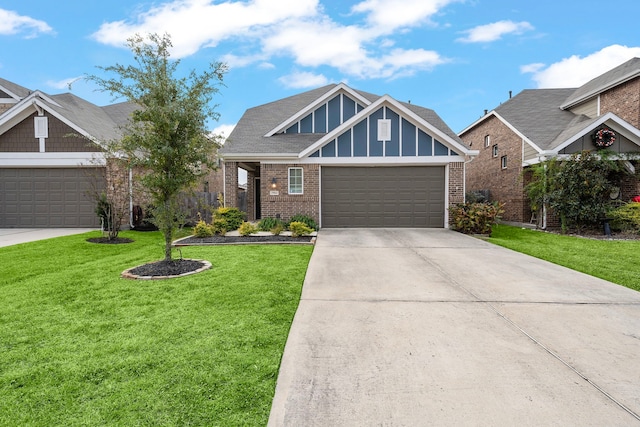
495, 150
295, 181
487, 141
503, 162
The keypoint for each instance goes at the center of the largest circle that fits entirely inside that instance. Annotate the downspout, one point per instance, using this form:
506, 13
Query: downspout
130, 197
224, 184
464, 178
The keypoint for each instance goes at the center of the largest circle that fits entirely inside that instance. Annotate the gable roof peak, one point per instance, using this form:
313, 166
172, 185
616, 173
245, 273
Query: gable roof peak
14, 90
614, 77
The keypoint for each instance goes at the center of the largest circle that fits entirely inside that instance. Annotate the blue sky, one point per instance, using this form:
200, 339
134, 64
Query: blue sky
458, 57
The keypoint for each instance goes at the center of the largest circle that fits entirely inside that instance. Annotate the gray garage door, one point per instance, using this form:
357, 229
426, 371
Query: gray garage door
47, 197
383, 196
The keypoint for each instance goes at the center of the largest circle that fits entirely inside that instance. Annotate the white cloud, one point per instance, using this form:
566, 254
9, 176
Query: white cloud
299, 29
531, 68
494, 31
576, 71
11, 23
386, 16
223, 130
194, 24
300, 80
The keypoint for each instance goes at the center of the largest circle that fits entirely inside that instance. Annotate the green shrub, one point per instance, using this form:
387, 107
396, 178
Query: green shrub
277, 229
233, 216
475, 218
298, 229
219, 226
626, 217
267, 224
202, 229
305, 219
247, 228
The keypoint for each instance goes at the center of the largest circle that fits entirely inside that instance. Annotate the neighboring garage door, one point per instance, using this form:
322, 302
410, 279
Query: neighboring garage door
408, 196
48, 198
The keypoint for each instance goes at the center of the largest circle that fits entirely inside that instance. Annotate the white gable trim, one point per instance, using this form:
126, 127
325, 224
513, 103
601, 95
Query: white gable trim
315, 104
601, 89
601, 120
15, 97
386, 100
34, 101
507, 124
88, 159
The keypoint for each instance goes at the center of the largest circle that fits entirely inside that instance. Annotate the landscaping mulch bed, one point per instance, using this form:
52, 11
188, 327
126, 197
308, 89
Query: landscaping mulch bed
106, 240
218, 240
166, 269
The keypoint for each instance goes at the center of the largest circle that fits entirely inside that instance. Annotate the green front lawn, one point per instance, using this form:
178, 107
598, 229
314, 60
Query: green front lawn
613, 260
81, 346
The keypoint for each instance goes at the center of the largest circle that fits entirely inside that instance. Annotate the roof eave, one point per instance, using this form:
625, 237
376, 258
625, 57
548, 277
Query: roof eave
601, 89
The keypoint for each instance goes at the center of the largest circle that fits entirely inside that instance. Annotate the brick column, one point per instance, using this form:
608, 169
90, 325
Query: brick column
231, 184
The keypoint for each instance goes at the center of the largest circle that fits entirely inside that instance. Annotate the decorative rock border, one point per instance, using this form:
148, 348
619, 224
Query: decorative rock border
128, 275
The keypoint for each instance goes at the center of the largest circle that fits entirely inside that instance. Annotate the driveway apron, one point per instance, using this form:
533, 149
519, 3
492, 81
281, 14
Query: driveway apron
418, 327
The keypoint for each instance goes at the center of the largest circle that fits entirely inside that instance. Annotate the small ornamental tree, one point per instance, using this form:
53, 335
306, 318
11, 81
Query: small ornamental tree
166, 136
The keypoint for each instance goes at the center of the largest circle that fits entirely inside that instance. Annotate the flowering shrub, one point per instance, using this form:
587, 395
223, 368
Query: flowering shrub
475, 218
636, 199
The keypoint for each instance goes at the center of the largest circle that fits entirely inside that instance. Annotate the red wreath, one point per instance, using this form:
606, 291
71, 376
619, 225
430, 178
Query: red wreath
604, 138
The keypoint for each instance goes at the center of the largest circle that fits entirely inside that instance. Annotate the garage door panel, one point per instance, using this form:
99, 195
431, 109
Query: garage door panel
41, 197
383, 196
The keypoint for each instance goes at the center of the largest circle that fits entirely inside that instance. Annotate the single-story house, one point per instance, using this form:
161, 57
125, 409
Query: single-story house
346, 158
539, 124
51, 158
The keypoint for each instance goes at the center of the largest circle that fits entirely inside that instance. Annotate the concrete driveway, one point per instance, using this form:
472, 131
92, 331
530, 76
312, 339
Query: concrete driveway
14, 236
405, 327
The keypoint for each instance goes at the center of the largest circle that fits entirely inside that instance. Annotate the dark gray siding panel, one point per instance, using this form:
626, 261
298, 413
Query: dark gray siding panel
409, 196
48, 197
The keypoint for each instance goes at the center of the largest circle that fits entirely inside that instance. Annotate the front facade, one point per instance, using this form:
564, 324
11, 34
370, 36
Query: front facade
347, 159
52, 161
540, 124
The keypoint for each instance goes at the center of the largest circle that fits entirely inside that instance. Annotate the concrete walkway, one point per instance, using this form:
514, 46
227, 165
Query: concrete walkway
431, 327
14, 236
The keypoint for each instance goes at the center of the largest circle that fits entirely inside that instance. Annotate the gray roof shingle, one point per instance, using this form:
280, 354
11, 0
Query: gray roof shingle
102, 123
536, 114
248, 137
604, 81
16, 89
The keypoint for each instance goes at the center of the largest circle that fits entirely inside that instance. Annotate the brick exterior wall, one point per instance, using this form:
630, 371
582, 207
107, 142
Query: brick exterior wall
486, 172
231, 184
456, 183
624, 101
285, 205
252, 215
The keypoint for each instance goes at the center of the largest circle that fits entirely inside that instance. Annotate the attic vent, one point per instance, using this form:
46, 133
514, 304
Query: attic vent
384, 129
41, 127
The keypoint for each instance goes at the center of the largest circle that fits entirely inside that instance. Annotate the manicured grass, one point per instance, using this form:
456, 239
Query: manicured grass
613, 260
81, 346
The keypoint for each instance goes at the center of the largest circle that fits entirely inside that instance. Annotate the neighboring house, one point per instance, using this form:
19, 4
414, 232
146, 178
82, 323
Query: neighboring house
348, 159
51, 158
539, 124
